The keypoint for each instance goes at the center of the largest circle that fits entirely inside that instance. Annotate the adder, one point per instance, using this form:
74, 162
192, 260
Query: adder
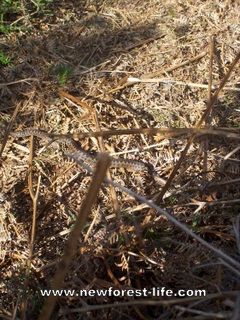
77, 153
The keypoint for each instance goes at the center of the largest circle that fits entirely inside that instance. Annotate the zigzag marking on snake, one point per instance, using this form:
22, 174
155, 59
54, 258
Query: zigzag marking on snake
79, 153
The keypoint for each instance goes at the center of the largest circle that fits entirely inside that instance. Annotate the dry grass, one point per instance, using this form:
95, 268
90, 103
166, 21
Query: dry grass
90, 51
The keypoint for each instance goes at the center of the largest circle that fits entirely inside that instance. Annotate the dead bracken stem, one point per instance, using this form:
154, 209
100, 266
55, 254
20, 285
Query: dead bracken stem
112, 190
9, 128
34, 197
161, 71
175, 221
160, 302
166, 132
101, 169
191, 139
208, 119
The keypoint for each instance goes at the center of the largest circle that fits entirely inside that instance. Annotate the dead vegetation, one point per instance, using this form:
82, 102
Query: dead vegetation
182, 233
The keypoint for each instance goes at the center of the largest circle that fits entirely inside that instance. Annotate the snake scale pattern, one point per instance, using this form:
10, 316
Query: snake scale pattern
77, 153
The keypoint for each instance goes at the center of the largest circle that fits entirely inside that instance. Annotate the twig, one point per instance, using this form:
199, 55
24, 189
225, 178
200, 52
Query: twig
191, 139
231, 153
10, 125
70, 97
117, 213
102, 166
181, 83
112, 190
179, 65
165, 132
159, 302
140, 43
204, 314
169, 217
161, 71
18, 81
31, 249
202, 204
9, 128
208, 119
236, 228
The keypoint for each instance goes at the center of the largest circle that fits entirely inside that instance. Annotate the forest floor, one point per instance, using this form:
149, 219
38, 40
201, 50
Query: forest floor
90, 66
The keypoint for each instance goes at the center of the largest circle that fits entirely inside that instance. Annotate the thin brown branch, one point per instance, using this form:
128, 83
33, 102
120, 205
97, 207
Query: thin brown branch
33, 232
102, 166
112, 190
80, 102
161, 71
9, 128
216, 94
165, 132
208, 119
140, 43
179, 65
202, 120
160, 302
177, 223
18, 81
181, 83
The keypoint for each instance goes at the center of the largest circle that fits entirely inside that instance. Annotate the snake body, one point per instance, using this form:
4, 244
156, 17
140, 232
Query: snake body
77, 153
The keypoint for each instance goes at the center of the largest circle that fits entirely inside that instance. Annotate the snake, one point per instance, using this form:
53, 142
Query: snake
77, 153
